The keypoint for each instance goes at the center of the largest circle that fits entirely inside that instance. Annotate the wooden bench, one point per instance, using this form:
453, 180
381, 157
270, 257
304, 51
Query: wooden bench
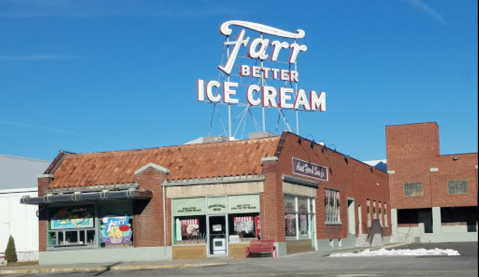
261, 246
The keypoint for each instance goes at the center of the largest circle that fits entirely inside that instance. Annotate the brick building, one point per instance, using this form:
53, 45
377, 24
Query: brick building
433, 196
204, 200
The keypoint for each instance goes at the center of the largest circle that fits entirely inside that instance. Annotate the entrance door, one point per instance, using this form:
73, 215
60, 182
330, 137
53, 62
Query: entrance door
425, 217
360, 224
217, 235
351, 217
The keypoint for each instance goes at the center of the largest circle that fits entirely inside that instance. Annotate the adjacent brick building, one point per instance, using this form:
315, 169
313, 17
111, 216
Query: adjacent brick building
433, 196
208, 199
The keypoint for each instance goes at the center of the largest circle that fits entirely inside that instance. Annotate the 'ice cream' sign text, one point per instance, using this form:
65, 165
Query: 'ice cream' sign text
262, 49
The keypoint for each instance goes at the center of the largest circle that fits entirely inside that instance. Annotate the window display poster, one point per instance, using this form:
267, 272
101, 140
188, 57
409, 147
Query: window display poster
244, 224
303, 224
290, 224
190, 227
71, 217
115, 229
258, 226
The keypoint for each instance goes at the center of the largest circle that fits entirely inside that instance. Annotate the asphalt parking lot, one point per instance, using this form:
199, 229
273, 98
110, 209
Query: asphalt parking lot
319, 264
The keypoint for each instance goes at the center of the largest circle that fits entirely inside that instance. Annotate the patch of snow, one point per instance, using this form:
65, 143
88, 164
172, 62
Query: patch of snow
399, 252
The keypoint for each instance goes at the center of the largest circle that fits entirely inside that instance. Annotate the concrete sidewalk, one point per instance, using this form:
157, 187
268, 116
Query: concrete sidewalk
216, 261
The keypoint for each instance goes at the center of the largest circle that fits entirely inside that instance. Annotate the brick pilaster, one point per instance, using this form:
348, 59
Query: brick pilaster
43, 182
148, 214
272, 202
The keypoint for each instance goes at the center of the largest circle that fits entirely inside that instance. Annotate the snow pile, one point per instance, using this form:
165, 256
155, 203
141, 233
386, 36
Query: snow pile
399, 252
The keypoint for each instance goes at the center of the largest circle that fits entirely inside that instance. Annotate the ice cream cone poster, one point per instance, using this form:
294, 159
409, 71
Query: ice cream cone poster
115, 229
69, 218
190, 227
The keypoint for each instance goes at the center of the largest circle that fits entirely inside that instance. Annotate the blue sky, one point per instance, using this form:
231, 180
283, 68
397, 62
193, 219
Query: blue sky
90, 76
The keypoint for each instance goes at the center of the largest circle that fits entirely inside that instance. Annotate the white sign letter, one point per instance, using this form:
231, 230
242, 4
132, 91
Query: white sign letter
209, 91
234, 53
261, 53
301, 99
200, 90
227, 92
318, 102
277, 47
269, 93
283, 97
244, 71
295, 50
250, 97
293, 76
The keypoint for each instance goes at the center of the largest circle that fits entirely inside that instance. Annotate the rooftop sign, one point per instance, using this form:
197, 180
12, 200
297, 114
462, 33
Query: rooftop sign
260, 49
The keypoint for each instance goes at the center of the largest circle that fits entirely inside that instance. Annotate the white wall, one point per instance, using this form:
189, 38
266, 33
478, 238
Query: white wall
20, 221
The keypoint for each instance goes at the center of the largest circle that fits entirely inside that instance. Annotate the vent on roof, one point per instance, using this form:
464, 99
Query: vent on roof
208, 140
263, 134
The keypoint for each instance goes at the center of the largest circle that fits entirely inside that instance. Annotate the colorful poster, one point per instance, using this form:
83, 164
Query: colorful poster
115, 229
69, 218
244, 224
190, 227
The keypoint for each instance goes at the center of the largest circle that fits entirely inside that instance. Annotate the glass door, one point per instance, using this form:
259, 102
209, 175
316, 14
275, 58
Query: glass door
217, 235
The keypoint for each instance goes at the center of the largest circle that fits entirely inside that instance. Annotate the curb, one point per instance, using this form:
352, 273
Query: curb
102, 268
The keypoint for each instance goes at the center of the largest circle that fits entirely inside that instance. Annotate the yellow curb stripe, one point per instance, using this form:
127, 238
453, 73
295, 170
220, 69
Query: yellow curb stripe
103, 268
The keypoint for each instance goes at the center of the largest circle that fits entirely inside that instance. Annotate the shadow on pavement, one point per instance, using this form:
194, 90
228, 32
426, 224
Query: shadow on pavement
108, 268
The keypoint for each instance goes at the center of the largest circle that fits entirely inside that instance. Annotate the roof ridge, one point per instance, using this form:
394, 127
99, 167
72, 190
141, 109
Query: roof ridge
165, 148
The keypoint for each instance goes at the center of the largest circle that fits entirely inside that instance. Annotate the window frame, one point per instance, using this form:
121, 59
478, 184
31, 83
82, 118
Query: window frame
456, 185
410, 191
66, 246
309, 213
334, 215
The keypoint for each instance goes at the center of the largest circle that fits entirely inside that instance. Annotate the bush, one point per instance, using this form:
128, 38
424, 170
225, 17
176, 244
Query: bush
11, 252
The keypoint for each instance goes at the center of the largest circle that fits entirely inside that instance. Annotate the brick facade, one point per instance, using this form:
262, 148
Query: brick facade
351, 177
268, 158
413, 156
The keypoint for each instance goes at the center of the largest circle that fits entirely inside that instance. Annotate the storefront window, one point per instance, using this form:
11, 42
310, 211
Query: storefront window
332, 206
189, 217
298, 214
290, 221
244, 226
71, 226
303, 217
190, 229
232, 217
